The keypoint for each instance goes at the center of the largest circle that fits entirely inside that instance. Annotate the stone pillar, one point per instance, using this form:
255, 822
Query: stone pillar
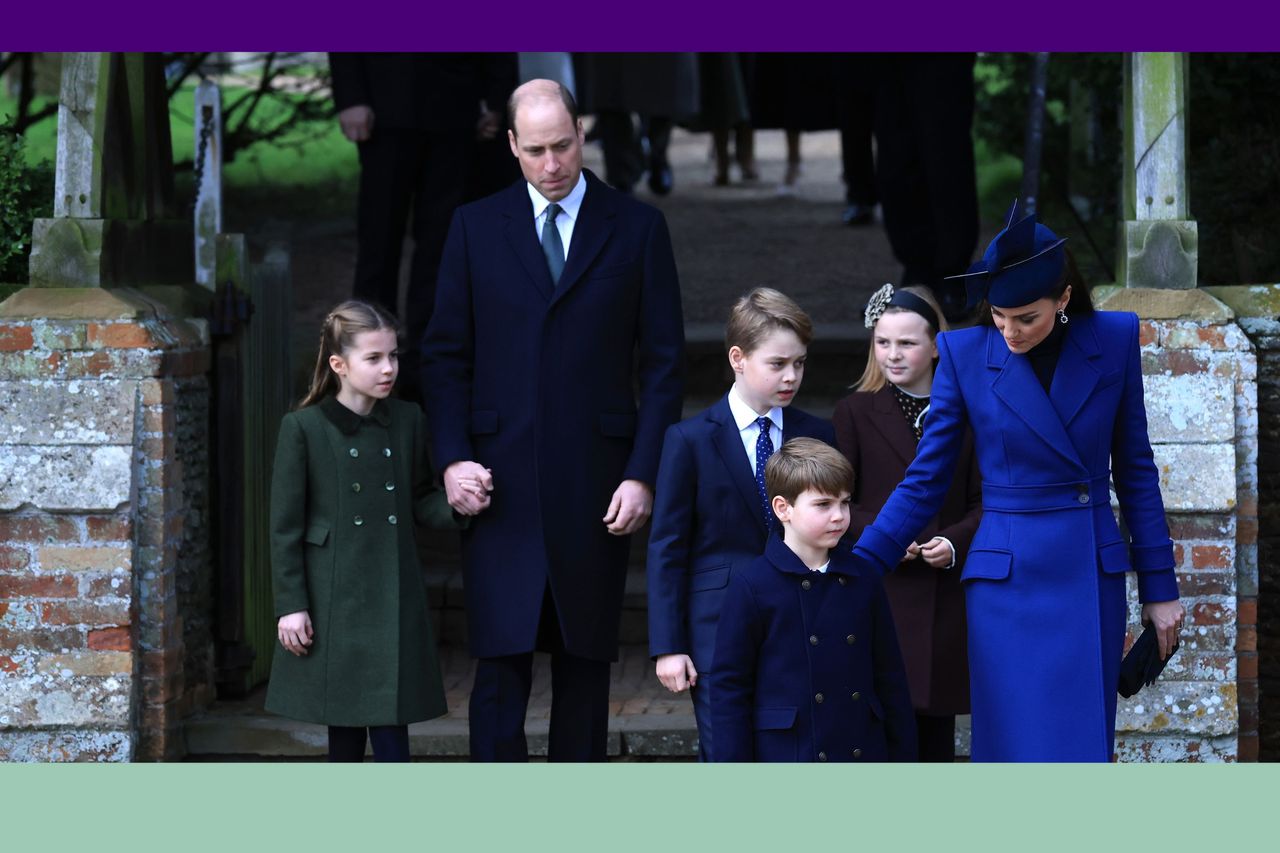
1200, 378
1157, 245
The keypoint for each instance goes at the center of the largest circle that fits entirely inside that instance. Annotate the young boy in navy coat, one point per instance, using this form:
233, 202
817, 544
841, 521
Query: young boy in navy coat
711, 515
807, 666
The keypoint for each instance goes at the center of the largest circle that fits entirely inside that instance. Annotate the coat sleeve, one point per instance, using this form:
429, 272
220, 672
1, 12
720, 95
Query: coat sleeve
738, 638
661, 353
860, 517
961, 533
670, 539
448, 350
350, 84
430, 506
1133, 469
891, 681
289, 519
920, 494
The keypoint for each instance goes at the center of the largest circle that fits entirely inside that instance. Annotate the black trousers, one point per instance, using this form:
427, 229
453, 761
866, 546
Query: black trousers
407, 176
857, 114
936, 738
579, 702
624, 158
390, 743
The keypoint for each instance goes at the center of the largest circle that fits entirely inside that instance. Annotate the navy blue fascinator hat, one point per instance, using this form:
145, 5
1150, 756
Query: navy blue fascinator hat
1024, 262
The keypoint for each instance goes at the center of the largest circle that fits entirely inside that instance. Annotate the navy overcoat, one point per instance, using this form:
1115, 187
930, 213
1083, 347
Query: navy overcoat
564, 392
1044, 579
807, 665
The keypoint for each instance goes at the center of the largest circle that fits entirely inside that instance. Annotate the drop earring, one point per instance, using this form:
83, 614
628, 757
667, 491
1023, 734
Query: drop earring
1062, 316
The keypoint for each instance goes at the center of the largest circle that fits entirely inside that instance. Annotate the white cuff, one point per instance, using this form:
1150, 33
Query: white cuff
952, 546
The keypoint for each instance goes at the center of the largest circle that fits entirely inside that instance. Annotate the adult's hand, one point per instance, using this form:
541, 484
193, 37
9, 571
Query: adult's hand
1167, 618
937, 553
676, 672
293, 630
467, 486
356, 122
630, 508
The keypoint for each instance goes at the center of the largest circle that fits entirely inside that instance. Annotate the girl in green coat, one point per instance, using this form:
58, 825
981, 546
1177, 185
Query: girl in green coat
351, 476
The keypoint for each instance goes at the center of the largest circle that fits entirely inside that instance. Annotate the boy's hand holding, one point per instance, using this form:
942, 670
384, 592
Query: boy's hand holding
294, 632
676, 672
630, 508
467, 486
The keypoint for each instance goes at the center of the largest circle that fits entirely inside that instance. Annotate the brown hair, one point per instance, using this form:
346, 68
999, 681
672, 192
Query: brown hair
807, 463
1079, 304
873, 378
337, 336
759, 313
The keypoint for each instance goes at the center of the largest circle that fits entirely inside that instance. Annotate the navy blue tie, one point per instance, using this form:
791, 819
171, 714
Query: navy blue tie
764, 449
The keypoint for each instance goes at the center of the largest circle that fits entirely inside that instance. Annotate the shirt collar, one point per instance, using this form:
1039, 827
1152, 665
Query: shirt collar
569, 205
347, 421
744, 416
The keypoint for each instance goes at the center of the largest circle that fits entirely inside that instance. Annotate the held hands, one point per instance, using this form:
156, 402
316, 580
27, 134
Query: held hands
629, 509
676, 672
467, 486
294, 632
937, 552
1167, 616
356, 123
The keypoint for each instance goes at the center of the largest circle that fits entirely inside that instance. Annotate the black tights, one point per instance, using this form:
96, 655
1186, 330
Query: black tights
390, 743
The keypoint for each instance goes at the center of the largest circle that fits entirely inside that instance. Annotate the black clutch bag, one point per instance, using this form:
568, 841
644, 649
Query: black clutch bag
1142, 666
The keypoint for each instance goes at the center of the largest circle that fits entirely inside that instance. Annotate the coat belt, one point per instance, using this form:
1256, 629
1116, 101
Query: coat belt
1047, 496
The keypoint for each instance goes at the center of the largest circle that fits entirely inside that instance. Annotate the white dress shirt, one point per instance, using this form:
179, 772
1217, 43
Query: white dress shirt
745, 417
568, 216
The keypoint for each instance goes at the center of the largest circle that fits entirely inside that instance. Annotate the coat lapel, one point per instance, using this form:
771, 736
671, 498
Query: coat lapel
1017, 386
522, 238
1077, 374
596, 219
728, 441
887, 417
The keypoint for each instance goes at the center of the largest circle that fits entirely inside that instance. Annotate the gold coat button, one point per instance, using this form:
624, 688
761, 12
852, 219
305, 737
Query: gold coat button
813, 639
391, 519
804, 584
851, 639
357, 521
822, 756
856, 696
354, 453
818, 698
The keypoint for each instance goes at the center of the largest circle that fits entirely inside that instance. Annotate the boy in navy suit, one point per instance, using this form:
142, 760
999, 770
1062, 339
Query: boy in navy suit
711, 515
807, 666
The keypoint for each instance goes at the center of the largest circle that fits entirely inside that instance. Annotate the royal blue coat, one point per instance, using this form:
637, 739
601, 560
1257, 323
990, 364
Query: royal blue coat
707, 524
807, 666
1044, 579
539, 383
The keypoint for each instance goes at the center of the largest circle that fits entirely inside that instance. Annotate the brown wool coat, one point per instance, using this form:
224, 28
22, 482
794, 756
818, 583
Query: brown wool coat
927, 603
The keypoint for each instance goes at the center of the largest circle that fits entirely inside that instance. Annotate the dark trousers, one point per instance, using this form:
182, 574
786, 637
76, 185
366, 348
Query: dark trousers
407, 175
624, 158
579, 702
936, 738
702, 714
857, 114
390, 743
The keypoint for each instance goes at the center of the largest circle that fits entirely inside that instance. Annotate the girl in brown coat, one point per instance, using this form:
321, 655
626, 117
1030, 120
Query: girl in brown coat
877, 428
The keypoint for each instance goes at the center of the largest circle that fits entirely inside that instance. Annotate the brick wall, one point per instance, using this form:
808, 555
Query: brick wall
100, 482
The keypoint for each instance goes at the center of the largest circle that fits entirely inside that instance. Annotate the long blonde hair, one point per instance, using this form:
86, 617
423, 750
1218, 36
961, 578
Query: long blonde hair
873, 378
337, 335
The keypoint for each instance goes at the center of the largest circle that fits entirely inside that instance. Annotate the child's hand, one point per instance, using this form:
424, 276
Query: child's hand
630, 507
913, 551
467, 486
294, 632
937, 552
676, 672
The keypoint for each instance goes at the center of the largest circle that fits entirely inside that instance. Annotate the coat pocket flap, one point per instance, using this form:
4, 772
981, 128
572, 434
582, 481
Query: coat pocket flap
484, 423
618, 424
989, 564
716, 577
317, 534
773, 718
1113, 557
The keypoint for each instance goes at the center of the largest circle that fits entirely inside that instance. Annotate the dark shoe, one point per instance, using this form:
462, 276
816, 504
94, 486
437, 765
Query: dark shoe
859, 214
661, 181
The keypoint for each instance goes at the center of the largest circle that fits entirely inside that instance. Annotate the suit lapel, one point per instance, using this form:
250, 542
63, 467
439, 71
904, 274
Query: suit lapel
1017, 386
522, 238
1077, 374
596, 219
887, 417
728, 441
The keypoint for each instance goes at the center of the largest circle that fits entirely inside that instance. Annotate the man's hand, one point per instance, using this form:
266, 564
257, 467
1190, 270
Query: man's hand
630, 508
356, 123
467, 486
294, 632
676, 672
937, 553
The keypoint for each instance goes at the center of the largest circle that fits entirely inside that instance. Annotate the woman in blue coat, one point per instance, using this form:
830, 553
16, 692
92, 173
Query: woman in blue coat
1052, 391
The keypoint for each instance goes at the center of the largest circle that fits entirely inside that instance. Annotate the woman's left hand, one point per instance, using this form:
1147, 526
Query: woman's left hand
1167, 617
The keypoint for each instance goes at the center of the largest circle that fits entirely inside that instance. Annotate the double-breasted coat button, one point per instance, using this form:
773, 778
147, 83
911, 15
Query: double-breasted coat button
804, 584
391, 519
386, 451
851, 639
391, 487
355, 487
357, 521
354, 453
813, 639
1083, 489
822, 756
818, 698
857, 753
1084, 499
856, 696
841, 580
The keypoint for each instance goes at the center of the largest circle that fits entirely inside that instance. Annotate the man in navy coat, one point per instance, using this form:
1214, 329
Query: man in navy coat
557, 299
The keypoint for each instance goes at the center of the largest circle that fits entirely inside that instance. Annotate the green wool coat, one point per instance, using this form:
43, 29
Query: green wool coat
345, 493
